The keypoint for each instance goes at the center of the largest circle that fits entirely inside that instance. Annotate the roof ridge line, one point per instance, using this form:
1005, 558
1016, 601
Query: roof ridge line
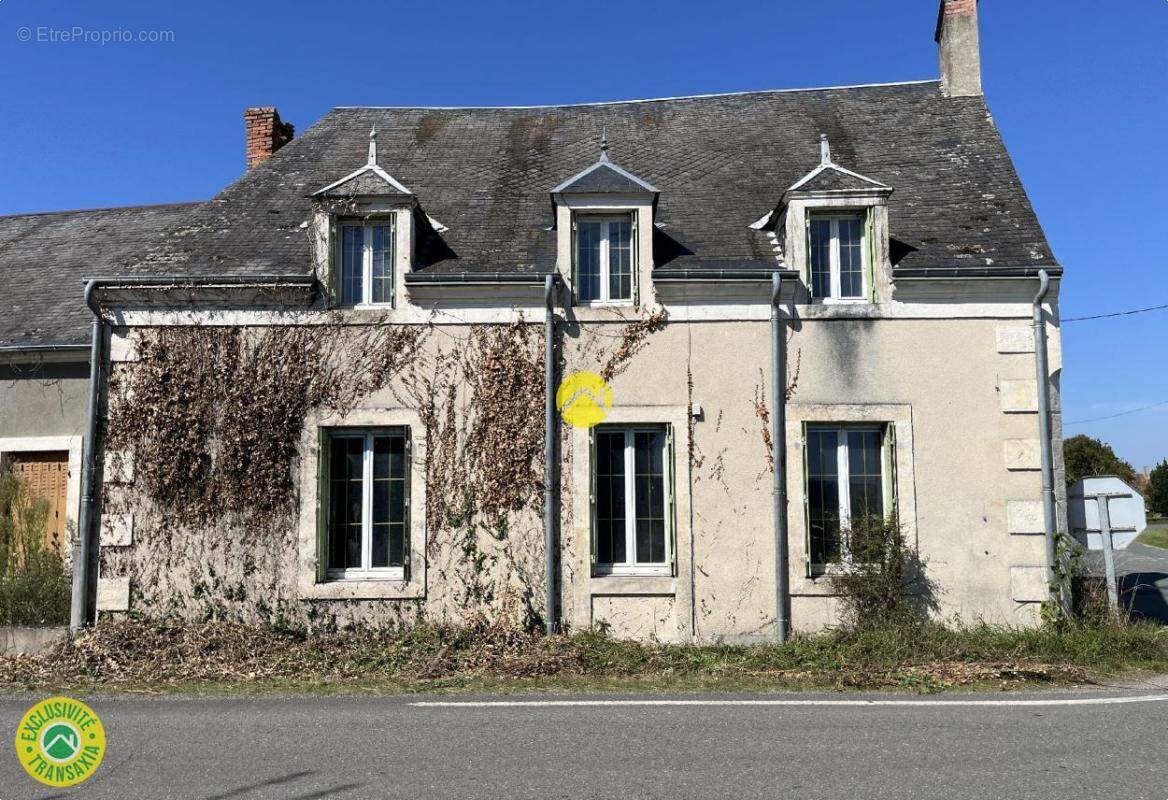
140, 207
630, 102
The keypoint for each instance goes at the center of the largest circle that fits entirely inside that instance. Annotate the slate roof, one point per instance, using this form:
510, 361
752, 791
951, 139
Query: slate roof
45, 258
720, 162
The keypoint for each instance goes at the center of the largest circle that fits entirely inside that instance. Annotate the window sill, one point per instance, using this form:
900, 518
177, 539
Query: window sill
646, 585
366, 307
604, 303
363, 589
841, 301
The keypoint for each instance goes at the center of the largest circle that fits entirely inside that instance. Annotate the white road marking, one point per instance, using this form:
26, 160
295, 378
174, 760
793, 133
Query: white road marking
1077, 701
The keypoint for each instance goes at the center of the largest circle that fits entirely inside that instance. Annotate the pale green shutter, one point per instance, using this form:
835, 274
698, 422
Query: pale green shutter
891, 498
806, 505
806, 266
322, 504
634, 266
870, 240
670, 495
592, 495
409, 528
575, 262
333, 283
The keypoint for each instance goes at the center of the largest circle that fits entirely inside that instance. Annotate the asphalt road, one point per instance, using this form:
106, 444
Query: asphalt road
386, 747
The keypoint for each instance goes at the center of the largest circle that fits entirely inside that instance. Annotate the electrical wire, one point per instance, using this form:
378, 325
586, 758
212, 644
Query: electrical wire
1120, 414
1117, 314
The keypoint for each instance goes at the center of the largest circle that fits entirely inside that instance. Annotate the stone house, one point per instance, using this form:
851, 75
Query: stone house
324, 395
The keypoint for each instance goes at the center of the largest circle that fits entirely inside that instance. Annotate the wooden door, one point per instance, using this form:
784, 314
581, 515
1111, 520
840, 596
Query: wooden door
45, 475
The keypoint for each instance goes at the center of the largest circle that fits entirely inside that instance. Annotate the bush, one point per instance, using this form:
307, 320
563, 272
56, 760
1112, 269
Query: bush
35, 584
884, 587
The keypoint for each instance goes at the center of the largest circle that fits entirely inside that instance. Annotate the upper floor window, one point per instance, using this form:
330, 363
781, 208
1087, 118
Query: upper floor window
365, 489
604, 259
632, 500
848, 482
837, 250
366, 263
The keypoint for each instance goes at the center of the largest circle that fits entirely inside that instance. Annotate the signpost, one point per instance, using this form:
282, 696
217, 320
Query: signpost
1107, 514
1102, 499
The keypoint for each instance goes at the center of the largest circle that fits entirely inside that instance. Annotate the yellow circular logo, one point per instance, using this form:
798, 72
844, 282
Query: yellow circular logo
584, 399
60, 741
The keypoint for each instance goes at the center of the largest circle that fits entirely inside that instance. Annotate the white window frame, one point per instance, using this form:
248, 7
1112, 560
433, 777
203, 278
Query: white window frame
634, 567
605, 298
834, 217
367, 227
366, 571
844, 476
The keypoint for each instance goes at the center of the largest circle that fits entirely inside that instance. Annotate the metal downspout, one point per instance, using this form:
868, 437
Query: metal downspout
778, 458
83, 552
1045, 445
549, 453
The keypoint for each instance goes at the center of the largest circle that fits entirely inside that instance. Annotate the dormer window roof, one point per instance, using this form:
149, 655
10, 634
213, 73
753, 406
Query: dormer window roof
368, 181
830, 177
605, 177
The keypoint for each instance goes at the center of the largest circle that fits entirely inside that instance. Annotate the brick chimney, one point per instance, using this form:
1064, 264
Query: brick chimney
957, 38
265, 134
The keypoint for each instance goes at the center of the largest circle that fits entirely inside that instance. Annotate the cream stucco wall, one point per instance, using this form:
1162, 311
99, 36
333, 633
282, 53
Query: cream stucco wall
958, 384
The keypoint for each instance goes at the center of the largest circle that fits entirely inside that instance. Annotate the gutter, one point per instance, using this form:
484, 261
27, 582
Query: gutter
202, 281
44, 348
778, 458
551, 471
720, 275
1044, 434
960, 273
479, 278
44, 354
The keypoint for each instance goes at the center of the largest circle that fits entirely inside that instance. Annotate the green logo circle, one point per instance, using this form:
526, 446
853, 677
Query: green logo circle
60, 741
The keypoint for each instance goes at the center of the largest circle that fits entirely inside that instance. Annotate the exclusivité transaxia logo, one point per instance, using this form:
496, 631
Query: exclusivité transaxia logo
60, 741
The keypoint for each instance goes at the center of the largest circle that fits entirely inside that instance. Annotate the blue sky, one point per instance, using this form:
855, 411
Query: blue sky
1077, 87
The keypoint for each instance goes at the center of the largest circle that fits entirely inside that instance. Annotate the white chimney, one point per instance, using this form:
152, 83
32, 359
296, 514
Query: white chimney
957, 39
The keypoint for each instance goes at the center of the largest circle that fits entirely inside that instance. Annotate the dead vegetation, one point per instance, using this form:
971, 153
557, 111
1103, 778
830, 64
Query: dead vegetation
211, 416
140, 655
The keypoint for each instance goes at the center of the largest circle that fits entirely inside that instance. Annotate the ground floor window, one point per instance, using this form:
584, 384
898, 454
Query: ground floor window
848, 478
365, 482
632, 500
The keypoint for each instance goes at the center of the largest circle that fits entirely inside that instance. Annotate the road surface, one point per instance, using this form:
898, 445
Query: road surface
984, 746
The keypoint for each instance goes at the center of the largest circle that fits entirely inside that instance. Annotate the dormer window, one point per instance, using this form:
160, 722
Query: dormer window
366, 274
368, 217
836, 254
835, 223
604, 258
602, 215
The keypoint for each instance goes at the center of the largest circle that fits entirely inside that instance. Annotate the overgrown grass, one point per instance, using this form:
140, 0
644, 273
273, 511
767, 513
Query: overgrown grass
138, 655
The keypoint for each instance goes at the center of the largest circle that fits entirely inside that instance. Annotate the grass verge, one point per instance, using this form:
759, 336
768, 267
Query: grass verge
1156, 535
138, 656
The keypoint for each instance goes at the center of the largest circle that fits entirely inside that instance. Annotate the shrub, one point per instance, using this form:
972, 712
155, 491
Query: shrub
884, 587
35, 584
